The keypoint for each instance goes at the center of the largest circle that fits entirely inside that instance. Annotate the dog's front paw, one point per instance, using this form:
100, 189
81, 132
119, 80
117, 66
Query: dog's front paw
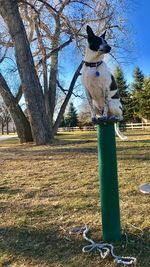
94, 120
115, 118
102, 119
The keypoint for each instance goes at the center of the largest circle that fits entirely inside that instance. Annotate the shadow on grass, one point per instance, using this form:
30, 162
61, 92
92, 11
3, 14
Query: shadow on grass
142, 158
9, 191
44, 246
72, 141
49, 246
136, 243
123, 153
51, 151
138, 141
11, 141
133, 148
138, 134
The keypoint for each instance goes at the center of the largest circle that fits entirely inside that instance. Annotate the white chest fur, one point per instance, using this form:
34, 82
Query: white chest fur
96, 85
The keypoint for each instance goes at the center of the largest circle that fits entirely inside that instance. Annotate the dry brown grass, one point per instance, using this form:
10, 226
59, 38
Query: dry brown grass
47, 190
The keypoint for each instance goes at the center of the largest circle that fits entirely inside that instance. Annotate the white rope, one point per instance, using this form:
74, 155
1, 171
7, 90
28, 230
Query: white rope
105, 249
120, 135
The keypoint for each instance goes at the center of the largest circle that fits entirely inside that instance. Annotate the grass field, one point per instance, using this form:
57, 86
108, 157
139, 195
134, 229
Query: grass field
47, 190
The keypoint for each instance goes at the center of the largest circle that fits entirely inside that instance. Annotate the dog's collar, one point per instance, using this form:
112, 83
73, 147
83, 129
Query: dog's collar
92, 64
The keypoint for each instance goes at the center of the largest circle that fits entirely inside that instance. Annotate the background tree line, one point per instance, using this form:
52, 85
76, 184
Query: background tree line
135, 97
5, 118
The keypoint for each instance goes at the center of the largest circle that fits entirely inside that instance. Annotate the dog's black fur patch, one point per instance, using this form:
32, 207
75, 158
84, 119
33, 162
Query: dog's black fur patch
113, 85
116, 96
94, 43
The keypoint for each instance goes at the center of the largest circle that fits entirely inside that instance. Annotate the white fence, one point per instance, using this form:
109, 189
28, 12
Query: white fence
127, 126
140, 126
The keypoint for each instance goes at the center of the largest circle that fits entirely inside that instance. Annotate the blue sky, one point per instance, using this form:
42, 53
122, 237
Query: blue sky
139, 21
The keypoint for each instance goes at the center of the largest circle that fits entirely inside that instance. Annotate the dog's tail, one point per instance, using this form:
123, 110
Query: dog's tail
118, 133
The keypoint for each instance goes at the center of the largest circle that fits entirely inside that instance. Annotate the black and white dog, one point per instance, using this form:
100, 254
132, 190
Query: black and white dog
100, 84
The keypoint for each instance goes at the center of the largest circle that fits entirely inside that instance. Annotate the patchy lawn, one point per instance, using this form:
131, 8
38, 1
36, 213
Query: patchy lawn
47, 190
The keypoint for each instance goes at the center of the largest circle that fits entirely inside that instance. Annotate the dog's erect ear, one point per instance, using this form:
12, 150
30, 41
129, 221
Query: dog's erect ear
103, 35
89, 31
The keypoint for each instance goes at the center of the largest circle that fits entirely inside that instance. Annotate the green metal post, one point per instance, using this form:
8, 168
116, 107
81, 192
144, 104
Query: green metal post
108, 182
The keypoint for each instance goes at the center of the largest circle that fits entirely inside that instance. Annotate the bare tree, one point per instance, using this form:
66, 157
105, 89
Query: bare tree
85, 115
49, 27
30, 83
22, 124
5, 117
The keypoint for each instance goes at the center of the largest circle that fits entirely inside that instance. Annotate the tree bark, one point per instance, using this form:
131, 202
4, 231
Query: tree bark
63, 107
53, 82
40, 125
19, 94
54, 68
22, 124
45, 72
7, 126
2, 125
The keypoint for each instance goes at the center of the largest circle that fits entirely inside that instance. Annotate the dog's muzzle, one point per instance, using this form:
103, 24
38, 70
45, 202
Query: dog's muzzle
106, 49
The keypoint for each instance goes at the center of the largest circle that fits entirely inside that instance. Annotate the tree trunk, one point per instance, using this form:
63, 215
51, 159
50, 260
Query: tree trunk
53, 82
22, 125
54, 68
45, 72
2, 128
63, 107
7, 126
40, 125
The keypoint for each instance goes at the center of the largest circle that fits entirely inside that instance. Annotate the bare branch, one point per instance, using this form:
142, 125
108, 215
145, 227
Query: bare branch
61, 88
32, 6
4, 55
5, 43
81, 2
54, 51
49, 7
43, 50
64, 4
48, 32
63, 107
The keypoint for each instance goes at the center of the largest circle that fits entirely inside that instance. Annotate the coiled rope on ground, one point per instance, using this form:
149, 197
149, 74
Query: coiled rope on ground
104, 249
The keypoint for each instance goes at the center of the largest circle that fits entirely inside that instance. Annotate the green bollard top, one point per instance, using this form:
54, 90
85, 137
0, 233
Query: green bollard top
106, 120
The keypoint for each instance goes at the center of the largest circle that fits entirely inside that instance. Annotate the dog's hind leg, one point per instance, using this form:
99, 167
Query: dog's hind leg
115, 109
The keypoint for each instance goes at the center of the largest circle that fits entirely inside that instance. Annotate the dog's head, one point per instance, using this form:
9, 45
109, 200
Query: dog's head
96, 43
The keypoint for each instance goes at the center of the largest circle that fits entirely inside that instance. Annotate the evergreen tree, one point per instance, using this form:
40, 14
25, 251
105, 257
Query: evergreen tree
144, 100
123, 92
63, 122
138, 77
136, 88
72, 117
